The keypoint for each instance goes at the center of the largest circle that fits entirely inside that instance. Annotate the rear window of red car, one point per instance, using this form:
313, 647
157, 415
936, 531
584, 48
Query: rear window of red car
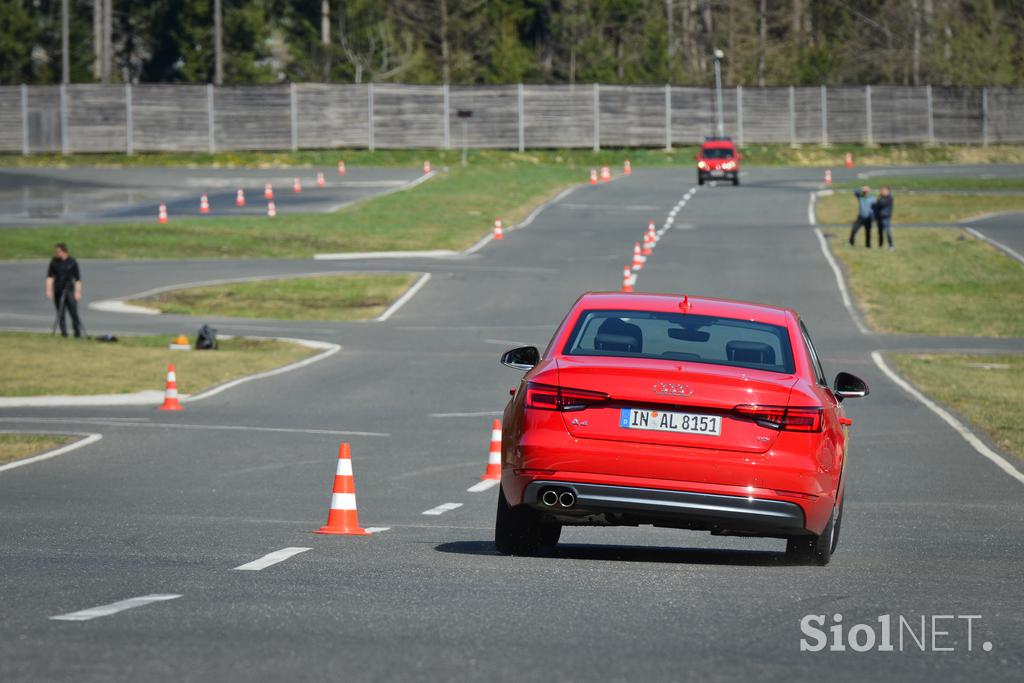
682, 337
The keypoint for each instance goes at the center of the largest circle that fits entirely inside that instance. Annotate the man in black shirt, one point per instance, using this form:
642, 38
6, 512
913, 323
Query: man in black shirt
883, 215
64, 288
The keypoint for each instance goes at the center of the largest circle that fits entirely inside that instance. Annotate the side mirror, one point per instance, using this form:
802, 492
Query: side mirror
522, 358
850, 386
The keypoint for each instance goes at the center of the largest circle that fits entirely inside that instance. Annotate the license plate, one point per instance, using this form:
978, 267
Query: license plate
661, 421
717, 174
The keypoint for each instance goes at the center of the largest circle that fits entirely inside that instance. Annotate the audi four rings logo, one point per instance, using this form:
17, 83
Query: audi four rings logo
666, 389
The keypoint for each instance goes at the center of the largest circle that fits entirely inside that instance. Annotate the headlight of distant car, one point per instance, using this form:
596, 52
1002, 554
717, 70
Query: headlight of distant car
702, 165
729, 165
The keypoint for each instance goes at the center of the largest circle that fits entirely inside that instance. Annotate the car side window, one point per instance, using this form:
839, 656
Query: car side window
819, 371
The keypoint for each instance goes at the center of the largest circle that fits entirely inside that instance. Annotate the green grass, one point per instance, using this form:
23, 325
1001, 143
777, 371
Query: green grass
984, 389
331, 297
911, 209
451, 211
754, 155
18, 446
939, 281
41, 365
936, 183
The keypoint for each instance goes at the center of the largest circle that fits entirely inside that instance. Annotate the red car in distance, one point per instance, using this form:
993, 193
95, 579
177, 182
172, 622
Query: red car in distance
675, 411
718, 158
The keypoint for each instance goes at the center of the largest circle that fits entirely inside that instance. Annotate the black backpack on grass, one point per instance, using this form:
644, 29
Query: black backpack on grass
207, 338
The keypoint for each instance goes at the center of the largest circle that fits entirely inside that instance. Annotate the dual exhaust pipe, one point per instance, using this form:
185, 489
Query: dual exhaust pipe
553, 497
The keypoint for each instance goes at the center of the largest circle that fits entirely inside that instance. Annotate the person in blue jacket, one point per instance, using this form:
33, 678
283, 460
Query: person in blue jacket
883, 215
865, 204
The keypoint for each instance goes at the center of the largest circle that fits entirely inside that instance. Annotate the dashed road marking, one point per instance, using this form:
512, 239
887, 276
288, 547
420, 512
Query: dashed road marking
376, 529
114, 607
441, 509
484, 485
485, 413
270, 559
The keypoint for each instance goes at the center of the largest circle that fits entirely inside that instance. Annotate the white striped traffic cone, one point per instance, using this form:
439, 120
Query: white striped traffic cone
627, 280
268, 191
204, 204
240, 197
499, 232
271, 209
161, 214
638, 258
171, 401
296, 185
341, 167
320, 181
426, 167
494, 456
606, 174
343, 518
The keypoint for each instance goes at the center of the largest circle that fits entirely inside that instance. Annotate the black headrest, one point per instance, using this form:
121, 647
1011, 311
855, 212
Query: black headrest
618, 335
750, 352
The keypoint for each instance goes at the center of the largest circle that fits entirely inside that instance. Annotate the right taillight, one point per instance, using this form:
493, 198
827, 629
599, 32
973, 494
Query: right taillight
550, 397
792, 419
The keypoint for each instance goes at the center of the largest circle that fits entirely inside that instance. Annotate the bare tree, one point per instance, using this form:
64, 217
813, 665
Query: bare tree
218, 43
762, 43
97, 39
915, 58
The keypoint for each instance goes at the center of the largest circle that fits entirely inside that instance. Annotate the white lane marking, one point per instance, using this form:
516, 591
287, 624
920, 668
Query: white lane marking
504, 342
404, 299
148, 397
376, 529
962, 430
477, 414
843, 292
81, 443
525, 222
998, 245
119, 306
401, 188
172, 425
441, 509
270, 559
362, 256
484, 485
115, 607
812, 219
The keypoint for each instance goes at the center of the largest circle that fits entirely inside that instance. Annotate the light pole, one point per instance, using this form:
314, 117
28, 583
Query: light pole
718, 90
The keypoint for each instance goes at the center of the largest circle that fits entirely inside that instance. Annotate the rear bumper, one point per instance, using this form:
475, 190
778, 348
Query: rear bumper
600, 504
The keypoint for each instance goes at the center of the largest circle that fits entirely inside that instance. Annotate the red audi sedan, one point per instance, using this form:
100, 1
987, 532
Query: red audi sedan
675, 411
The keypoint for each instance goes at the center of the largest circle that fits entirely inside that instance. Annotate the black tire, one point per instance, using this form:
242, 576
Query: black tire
815, 549
520, 531
700, 178
736, 179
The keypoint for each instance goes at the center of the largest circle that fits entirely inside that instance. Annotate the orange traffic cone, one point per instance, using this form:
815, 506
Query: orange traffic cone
426, 167
648, 244
343, 518
606, 174
204, 204
499, 233
828, 176
268, 191
627, 279
161, 214
849, 160
638, 258
494, 456
653, 233
171, 392
320, 182
626, 168
296, 185
271, 209
240, 197
593, 176
341, 167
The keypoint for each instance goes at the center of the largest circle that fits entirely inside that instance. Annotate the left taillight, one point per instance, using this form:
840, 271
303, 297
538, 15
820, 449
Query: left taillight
550, 397
791, 419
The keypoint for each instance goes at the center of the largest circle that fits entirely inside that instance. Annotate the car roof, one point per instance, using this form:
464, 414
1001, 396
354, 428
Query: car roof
718, 144
699, 305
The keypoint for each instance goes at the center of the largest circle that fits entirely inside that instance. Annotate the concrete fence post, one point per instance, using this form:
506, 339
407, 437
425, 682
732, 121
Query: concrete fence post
931, 115
129, 122
668, 117
597, 117
370, 142
824, 116
446, 112
739, 114
984, 117
24, 121
521, 121
792, 116
65, 141
867, 110
293, 111
211, 115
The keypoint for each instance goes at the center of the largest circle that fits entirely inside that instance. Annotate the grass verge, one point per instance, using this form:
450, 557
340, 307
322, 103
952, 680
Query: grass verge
984, 389
18, 446
451, 211
910, 208
330, 297
41, 365
754, 155
939, 281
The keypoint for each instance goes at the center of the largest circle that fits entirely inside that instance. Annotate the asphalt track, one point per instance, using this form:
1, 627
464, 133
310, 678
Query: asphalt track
172, 503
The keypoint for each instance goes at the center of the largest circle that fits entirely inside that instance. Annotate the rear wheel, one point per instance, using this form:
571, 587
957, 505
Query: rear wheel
816, 549
520, 531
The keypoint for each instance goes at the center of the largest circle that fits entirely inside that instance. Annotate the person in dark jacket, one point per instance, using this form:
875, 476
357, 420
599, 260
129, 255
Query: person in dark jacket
64, 287
864, 213
883, 215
